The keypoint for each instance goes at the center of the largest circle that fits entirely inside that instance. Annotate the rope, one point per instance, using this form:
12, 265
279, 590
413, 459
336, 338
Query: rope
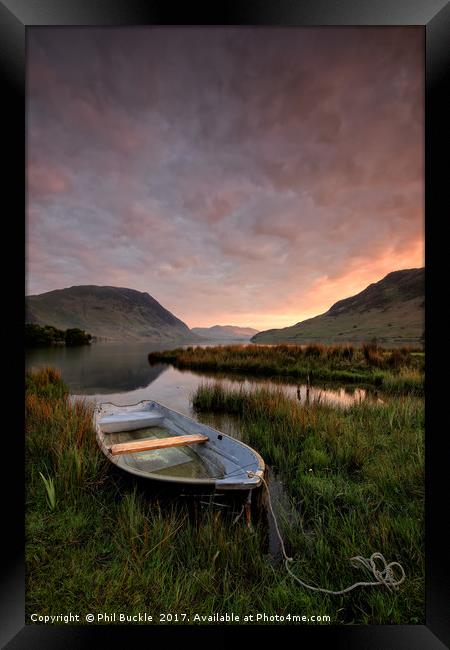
384, 576
238, 516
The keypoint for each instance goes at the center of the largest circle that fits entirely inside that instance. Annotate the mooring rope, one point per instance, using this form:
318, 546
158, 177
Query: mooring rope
384, 576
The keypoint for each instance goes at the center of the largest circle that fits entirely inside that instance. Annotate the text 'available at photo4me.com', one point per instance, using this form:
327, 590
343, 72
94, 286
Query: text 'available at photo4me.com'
107, 618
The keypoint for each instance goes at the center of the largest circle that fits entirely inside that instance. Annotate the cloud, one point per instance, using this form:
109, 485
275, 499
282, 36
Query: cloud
44, 181
247, 175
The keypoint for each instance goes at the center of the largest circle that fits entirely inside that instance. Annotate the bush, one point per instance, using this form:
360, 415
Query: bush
46, 335
35, 335
75, 336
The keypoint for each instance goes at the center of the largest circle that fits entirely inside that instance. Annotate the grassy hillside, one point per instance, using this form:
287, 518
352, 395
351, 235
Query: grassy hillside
225, 332
107, 312
392, 310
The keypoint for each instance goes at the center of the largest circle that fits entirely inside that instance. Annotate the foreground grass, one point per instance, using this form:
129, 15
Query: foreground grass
355, 478
97, 544
104, 547
396, 371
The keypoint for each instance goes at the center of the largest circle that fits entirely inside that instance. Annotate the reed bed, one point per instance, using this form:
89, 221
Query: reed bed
355, 479
97, 544
396, 371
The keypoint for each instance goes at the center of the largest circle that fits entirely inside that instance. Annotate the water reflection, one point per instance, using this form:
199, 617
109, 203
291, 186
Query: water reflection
100, 368
342, 396
121, 373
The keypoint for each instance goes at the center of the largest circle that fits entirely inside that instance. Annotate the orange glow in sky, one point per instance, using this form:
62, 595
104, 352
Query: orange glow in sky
240, 176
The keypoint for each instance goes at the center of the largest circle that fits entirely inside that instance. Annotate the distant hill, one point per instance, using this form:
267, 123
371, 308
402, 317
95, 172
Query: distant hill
225, 332
392, 310
113, 313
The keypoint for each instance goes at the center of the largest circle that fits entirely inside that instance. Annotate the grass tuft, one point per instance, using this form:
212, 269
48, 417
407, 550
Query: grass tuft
50, 491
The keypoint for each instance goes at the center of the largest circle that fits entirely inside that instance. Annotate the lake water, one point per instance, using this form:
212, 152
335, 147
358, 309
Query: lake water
120, 373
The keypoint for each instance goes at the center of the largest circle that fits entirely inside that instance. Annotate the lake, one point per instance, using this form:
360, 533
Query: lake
121, 373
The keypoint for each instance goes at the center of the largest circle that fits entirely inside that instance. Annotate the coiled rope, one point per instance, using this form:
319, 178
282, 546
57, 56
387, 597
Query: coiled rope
384, 576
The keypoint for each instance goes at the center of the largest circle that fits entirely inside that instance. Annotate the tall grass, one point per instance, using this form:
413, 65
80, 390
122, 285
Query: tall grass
354, 478
50, 489
371, 364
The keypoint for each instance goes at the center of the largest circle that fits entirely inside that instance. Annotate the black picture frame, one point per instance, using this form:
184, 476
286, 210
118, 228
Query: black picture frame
434, 15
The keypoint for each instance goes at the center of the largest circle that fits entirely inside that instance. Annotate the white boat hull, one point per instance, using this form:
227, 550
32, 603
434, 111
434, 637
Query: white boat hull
228, 464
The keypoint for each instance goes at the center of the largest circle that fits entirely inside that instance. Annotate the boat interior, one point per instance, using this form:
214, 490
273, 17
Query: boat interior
148, 443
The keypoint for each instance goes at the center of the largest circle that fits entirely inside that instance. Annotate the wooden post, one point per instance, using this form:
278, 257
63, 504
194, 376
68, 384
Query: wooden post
248, 509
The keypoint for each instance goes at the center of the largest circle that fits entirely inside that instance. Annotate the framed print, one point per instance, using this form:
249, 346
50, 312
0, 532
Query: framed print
227, 323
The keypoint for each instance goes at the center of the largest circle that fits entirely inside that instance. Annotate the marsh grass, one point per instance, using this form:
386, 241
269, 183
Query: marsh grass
354, 480
392, 370
50, 490
355, 476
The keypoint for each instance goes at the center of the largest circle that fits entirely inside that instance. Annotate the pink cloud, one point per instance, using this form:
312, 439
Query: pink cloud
46, 180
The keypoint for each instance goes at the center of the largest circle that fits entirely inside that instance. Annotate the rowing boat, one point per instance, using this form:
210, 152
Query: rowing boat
155, 442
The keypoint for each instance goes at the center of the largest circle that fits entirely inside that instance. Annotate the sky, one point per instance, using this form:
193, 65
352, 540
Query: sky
240, 176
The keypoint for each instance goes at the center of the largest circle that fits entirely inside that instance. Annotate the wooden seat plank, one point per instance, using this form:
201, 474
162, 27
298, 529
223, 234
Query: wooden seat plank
156, 443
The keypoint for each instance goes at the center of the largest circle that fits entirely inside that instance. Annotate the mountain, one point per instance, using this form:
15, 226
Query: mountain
392, 310
225, 332
113, 313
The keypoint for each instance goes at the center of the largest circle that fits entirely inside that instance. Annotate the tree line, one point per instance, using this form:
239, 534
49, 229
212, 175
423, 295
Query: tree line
37, 335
